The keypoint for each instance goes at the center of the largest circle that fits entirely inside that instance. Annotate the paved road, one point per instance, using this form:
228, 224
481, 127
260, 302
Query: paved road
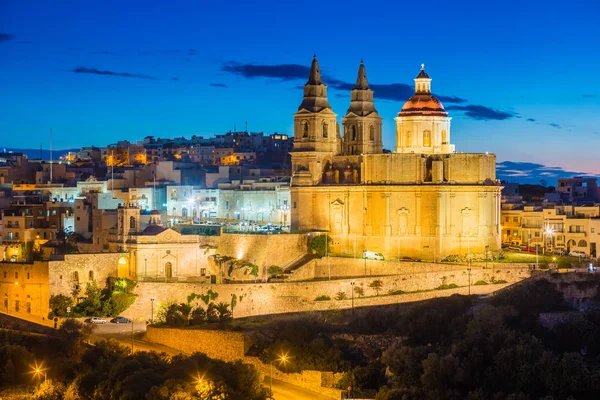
122, 334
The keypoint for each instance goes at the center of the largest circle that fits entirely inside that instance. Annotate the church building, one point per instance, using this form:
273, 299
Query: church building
423, 201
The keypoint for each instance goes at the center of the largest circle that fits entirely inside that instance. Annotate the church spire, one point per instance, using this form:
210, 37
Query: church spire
315, 73
361, 80
315, 91
422, 82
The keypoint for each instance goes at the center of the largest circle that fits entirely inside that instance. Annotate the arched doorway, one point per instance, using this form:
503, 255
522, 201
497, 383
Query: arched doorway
169, 270
570, 244
123, 268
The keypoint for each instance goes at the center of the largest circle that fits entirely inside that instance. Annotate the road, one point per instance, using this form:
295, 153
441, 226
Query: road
122, 334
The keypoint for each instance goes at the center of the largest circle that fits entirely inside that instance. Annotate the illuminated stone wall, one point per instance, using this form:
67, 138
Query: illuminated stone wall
263, 250
24, 289
276, 298
84, 268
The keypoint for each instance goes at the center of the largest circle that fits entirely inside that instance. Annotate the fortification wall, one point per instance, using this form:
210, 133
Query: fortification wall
346, 267
263, 250
275, 298
232, 346
77, 267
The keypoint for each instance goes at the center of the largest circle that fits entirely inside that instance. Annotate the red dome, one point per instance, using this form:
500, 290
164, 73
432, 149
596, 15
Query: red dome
423, 104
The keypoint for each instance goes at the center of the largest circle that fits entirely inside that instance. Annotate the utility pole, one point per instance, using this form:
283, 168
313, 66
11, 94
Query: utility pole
51, 155
352, 285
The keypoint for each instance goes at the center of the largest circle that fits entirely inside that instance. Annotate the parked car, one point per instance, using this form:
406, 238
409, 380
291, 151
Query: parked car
120, 320
514, 248
558, 252
577, 253
97, 320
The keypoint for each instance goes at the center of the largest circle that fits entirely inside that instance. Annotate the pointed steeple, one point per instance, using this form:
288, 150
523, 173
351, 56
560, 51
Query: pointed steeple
315, 91
361, 96
315, 73
361, 80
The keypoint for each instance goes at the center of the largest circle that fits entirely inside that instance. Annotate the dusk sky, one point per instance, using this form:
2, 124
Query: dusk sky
520, 79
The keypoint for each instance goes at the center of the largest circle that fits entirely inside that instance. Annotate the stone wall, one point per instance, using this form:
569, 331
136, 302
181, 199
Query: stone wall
232, 346
263, 250
346, 267
275, 298
24, 289
84, 268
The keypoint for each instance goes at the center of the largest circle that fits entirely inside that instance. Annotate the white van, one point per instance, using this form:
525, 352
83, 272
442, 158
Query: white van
371, 255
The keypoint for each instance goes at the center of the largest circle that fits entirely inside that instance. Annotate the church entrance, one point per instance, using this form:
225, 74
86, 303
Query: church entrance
169, 270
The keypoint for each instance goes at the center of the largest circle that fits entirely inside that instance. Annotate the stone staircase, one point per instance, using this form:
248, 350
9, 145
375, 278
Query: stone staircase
298, 262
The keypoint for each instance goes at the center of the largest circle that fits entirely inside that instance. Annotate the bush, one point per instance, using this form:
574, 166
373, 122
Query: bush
359, 291
397, 291
59, 304
120, 302
479, 283
500, 281
341, 296
318, 245
447, 286
274, 270
323, 297
198, 316
212, 314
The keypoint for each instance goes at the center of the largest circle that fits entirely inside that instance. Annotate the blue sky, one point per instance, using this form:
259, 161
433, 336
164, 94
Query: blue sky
520, 79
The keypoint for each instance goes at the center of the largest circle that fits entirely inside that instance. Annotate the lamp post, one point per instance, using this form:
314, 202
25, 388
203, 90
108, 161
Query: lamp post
548, 232
145, 267
352, 285
365, 258
152, 311
132, 336
39, 372
280, 359
469, 272
487, 246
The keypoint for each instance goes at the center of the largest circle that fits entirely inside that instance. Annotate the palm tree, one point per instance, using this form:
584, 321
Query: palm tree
185, 309
223, 311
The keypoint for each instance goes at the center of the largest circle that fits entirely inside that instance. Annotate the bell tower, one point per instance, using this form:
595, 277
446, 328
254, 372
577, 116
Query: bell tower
362, 124
316, 132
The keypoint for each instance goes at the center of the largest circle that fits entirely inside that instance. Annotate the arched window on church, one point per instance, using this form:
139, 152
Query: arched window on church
173, 194
444, 137
427, 138
132, 223
353, 132
305, 129
371, 133
408, 139
325, 131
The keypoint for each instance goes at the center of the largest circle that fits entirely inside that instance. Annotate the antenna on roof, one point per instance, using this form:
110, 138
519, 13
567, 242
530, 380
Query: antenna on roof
50, 155
246, 126
41, 152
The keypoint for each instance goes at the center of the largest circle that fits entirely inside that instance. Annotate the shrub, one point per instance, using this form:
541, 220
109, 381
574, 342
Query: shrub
479, 283
274, 270
323, 297
359, 291
59, 304
447, 286
198, 316
318, 245
397, 291
500, 281
212, 314
341, 296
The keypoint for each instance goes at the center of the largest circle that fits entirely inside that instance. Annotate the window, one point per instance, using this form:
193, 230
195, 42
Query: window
91, 275
16, 274
305, 129
506, 219
515, 219
593, 230
582, 243
76, 276
77, 218
427, 138
17, 305
132, 223
325, 131
203, 271
371, 133
28, 307
28, 275
537, 234
353, 133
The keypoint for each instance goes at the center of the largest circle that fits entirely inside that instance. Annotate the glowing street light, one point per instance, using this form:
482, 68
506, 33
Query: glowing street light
38, 371
282, 359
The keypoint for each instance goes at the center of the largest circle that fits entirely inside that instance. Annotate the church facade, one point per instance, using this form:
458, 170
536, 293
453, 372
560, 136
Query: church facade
422, 201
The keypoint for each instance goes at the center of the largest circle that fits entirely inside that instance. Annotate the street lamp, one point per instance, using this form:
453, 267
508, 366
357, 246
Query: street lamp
281, 359
487, 246
38, 372
469, 272
352, 285
548, 232
152, 312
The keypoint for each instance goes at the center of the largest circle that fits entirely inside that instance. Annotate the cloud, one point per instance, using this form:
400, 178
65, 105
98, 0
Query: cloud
531, 119
589, 96
285, 72
483, 112
105, 53
192, 52
5, 37
221, 85
557, 126
528, 172
176, 79
85, 70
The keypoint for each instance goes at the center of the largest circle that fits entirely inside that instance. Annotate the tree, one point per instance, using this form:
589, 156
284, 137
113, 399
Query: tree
376, 285
319, 244
359, 291
59, 304
92, 304
223, 311
198, 316
275, 271
67, 241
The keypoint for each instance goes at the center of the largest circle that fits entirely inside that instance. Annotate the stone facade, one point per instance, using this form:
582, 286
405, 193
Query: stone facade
425, 198
24, 289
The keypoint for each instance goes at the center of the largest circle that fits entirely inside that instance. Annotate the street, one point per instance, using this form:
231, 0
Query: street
122, 334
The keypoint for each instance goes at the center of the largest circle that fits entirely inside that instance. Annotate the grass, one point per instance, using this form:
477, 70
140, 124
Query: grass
529, 258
